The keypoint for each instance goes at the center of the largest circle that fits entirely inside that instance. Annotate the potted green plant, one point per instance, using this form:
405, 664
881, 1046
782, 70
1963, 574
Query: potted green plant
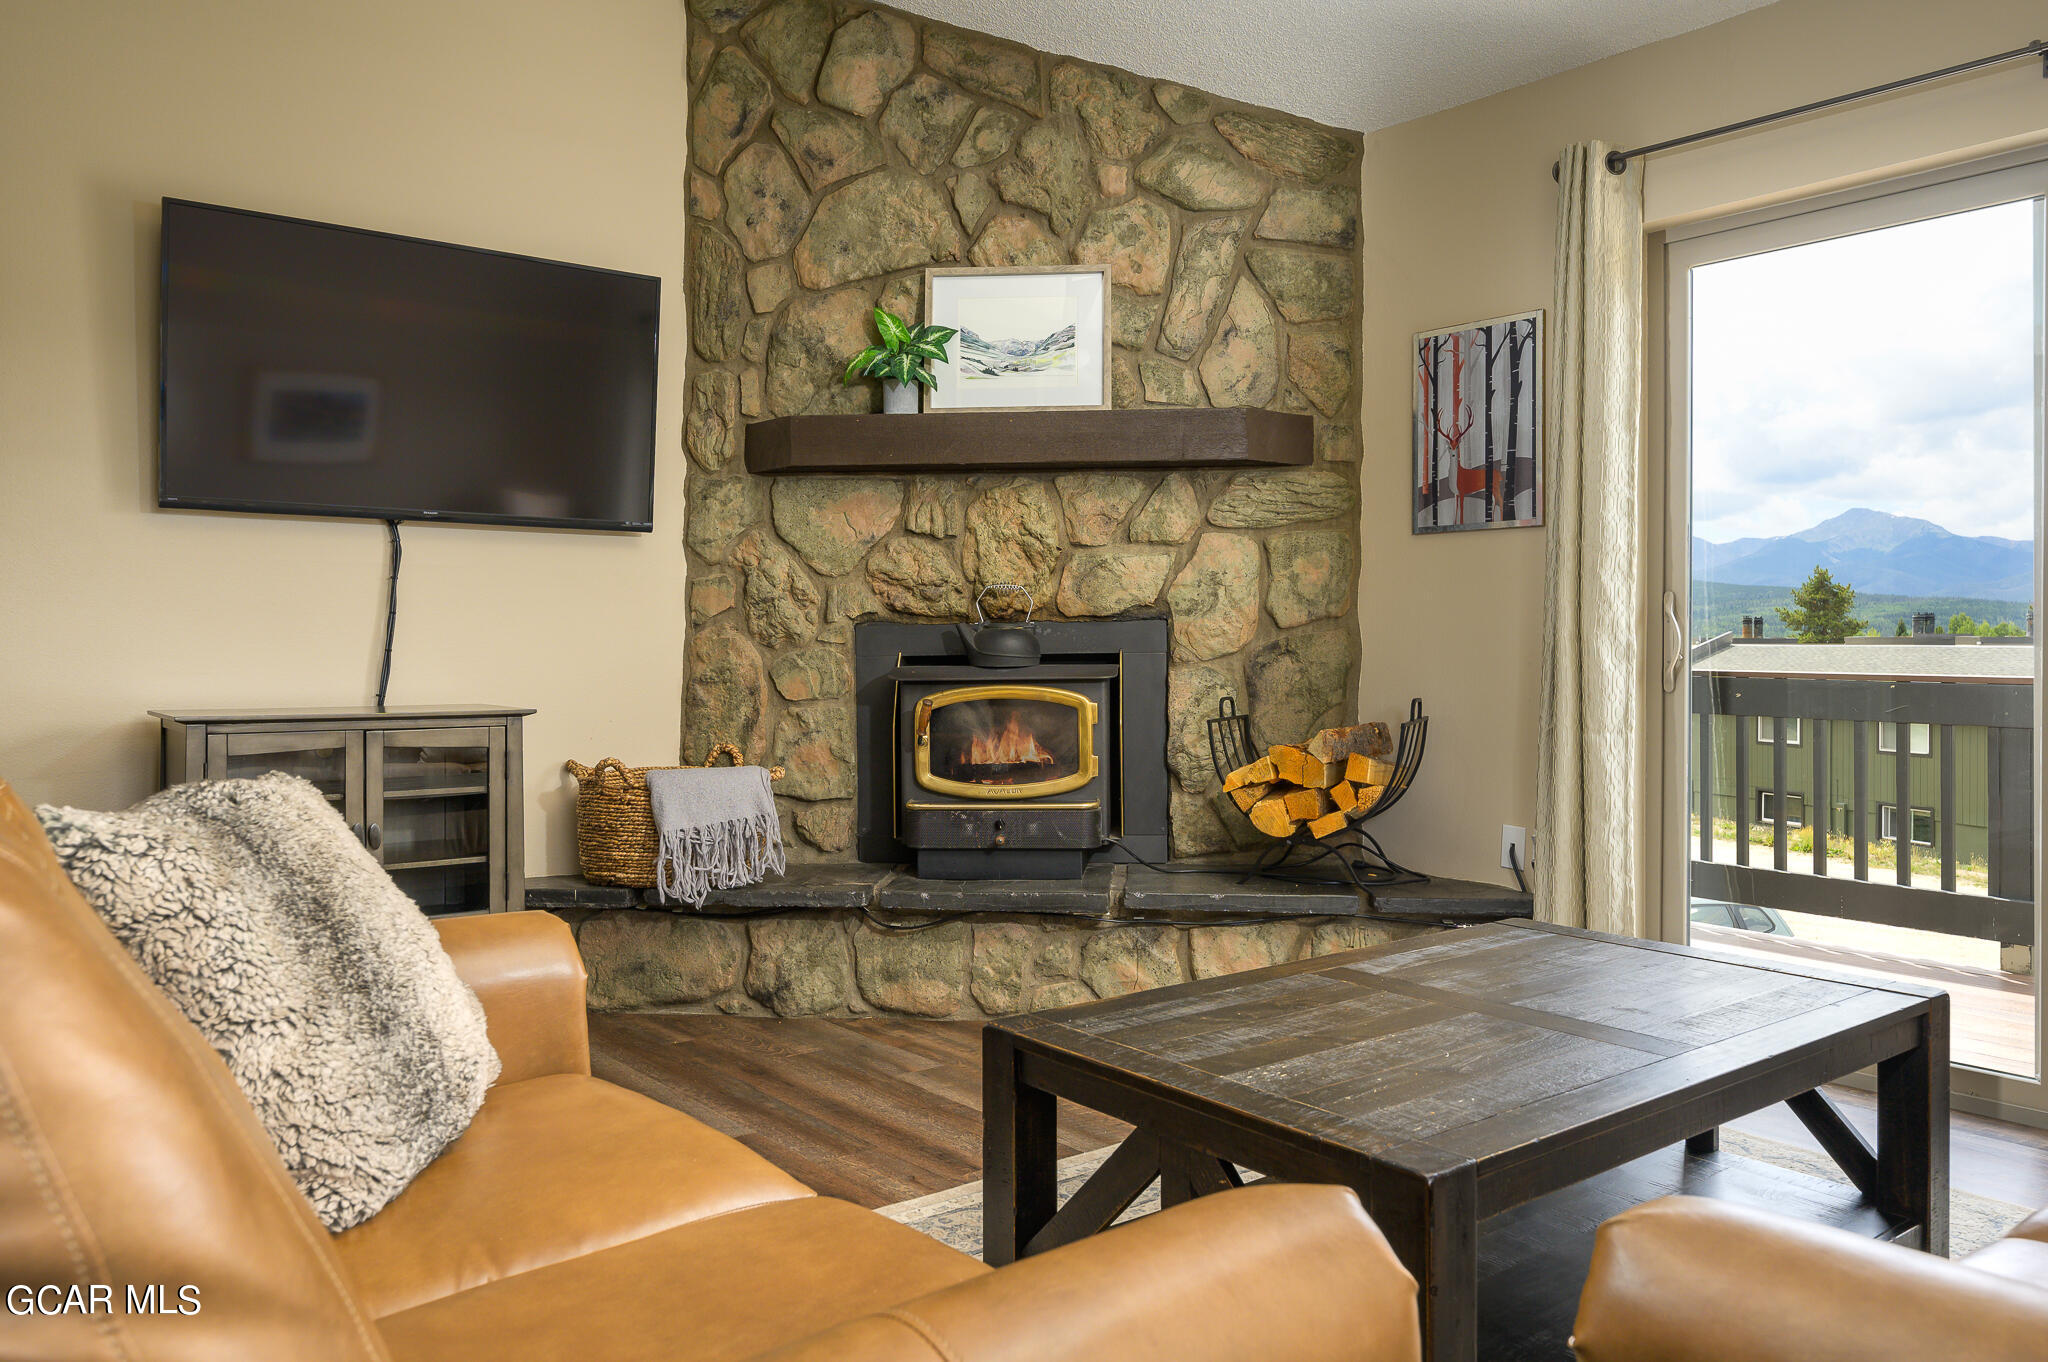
900, 359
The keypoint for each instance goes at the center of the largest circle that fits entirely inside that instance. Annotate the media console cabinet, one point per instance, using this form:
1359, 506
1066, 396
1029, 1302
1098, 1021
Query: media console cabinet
435, 793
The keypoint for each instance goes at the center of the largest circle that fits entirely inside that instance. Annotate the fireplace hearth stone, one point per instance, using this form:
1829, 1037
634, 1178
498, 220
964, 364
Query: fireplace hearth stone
812, 942
1192, 888
1094, 893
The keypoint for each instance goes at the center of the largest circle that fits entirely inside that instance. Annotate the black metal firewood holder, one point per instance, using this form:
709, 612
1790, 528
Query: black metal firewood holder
1358, 854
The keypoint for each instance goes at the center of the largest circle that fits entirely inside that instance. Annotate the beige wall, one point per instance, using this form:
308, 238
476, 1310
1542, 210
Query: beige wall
1459, 215
524, 125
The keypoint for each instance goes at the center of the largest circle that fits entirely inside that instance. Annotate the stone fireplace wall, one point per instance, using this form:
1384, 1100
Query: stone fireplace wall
835, 964
836, 150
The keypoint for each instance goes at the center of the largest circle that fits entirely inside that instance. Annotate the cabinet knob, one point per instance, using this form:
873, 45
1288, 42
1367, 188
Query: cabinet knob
373, 837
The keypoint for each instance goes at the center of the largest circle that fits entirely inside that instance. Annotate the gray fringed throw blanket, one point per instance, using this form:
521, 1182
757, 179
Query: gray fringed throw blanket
718, 830
321, 984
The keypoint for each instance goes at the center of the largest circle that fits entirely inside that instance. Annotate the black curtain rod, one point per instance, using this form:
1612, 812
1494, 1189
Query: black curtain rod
1617, 161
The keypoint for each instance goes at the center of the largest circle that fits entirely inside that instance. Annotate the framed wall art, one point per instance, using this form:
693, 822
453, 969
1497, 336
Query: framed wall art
1030, 339
1478, 422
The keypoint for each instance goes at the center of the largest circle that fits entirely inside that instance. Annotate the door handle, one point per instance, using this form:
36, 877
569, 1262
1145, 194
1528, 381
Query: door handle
1674, 651
373, 837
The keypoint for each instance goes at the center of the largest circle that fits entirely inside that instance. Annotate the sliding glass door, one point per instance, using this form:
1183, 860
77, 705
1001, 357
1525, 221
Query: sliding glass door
1854, 404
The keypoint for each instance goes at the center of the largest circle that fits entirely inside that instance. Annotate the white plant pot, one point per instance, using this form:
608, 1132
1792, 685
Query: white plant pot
899, 399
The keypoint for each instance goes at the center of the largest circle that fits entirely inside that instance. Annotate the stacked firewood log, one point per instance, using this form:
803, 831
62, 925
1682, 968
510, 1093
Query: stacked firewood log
1324, 784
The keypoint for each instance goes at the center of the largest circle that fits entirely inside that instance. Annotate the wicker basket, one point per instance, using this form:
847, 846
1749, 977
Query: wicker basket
615, 838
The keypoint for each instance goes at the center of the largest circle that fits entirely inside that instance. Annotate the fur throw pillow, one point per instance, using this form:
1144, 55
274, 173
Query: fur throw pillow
326, 990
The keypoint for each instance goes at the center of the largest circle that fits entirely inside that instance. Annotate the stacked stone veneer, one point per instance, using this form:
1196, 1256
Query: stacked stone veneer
838, 150
836, 964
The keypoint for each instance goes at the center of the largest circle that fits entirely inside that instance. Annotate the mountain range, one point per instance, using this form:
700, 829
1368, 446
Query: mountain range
1877, 553
980, 358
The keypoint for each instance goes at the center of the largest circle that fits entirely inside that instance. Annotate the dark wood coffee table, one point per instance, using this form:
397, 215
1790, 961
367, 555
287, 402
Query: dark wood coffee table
1478, 1076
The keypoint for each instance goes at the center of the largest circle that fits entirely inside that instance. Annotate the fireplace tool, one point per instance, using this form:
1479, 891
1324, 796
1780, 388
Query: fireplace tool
1358, 854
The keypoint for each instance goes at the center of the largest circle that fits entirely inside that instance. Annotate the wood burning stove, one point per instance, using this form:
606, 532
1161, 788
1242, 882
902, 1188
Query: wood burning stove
1013, 768
1012, 771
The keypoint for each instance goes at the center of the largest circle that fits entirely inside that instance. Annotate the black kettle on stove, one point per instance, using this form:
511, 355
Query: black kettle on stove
999, 644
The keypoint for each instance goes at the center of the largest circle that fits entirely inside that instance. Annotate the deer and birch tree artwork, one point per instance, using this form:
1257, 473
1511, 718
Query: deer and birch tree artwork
1478, 425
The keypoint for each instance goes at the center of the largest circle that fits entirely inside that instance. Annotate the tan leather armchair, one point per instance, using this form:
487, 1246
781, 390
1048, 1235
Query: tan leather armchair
574, 1220
1684, 1279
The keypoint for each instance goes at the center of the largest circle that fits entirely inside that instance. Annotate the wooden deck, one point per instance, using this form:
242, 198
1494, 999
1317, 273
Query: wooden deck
1991, 1016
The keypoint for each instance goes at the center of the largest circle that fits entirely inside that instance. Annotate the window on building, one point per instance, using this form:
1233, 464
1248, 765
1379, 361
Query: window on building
1795, 808
1921, 736
1765, 725
1888, 825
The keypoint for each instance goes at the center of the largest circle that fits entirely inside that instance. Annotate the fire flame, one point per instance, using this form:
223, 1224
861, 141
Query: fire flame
1014, 745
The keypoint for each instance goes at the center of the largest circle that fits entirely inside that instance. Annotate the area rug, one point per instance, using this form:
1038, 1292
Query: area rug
953, 1217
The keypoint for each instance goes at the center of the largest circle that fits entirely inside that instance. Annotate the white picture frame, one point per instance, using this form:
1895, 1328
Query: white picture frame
1011, 352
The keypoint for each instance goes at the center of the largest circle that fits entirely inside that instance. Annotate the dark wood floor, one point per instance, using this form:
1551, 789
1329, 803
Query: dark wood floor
1991, 1158
878, 1111
873, 1110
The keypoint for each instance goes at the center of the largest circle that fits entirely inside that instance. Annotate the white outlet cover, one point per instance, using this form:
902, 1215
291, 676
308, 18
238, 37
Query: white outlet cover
1518, 838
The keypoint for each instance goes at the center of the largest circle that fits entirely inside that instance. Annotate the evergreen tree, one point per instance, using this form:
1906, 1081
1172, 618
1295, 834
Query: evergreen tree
1901, 631
1820, 608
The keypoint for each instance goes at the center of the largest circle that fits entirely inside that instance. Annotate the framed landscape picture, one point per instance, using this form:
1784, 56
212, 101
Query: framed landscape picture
1478, 422
1030, 339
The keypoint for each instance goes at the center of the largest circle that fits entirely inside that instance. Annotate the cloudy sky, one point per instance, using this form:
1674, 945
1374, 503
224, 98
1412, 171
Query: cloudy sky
1893, 370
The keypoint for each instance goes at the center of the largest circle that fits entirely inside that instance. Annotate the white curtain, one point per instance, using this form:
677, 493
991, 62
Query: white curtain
1590, 772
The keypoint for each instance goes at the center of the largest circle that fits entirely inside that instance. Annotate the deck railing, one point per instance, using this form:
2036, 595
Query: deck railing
2004, 709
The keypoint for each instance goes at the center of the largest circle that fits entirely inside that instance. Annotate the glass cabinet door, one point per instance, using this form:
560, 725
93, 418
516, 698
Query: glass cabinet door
331, 760
431, 819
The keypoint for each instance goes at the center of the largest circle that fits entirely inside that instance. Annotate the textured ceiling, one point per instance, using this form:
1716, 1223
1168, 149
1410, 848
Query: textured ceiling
1358, 64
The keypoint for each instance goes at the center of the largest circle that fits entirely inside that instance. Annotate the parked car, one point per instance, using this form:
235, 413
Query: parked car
1743, 917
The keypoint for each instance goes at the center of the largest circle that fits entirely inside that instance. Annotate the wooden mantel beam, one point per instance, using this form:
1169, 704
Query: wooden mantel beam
974, 441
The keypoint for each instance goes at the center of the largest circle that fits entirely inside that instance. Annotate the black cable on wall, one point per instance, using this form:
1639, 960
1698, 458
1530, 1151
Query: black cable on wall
390, 614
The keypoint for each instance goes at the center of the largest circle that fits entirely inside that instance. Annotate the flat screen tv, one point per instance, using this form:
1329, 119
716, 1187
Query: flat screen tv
310, 369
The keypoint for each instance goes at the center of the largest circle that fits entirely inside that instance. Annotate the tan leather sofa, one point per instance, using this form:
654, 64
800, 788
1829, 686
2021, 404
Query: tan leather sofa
574, 1221
1684, 1279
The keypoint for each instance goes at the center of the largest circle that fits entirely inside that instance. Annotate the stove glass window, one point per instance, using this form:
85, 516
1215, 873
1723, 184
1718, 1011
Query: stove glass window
1010, 741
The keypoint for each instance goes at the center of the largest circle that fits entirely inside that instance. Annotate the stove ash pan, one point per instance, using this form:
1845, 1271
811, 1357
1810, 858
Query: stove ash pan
1007, 774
